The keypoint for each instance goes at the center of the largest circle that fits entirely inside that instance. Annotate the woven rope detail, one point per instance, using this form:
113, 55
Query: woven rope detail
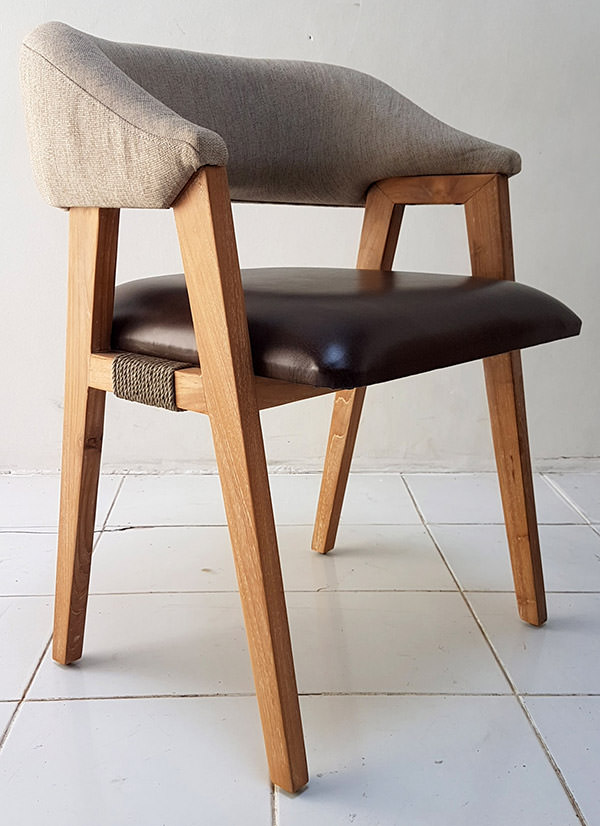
145, 379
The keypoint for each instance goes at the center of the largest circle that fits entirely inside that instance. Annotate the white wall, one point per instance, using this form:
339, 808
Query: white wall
520, 72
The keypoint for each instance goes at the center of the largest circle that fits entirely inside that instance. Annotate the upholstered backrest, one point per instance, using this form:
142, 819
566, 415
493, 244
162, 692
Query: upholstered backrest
117, 124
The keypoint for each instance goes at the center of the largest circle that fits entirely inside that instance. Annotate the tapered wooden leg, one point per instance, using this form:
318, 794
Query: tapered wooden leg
490, 242
347, 408
243, 472
205, 227
378, 241
92, 258
504, 383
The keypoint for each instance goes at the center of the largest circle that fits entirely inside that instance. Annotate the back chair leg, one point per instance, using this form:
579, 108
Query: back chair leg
207, 240
378, 241
92, 260
347, 408
490, 243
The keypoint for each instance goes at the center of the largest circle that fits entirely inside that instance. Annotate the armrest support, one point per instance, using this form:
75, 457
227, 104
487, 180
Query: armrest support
433, 189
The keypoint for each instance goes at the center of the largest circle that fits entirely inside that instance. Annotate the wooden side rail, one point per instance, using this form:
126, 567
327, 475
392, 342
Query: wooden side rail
433, 189
189, 386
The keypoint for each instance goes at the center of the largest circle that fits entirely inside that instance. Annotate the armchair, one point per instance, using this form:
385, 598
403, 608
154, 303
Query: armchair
114, 126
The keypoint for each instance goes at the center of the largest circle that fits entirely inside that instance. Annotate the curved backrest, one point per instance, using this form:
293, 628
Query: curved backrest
124, 125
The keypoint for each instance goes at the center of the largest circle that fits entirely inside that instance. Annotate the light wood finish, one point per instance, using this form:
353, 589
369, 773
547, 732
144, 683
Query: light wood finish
489, 231
92, 259
380, 231
506, 400
207, 240
347, 408
189, 390
433, 189
379, 238
232, 396
487, 211
189, 386
273, 393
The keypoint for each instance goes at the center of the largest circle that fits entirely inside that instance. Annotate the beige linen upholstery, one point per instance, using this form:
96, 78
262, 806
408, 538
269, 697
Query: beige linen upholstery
123, 125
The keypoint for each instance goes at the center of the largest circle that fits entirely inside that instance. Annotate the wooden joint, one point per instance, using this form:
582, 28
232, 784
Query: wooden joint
489, 230
189, 386
432, 189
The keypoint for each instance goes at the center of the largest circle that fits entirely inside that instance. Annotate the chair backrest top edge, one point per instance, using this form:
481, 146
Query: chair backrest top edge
292, 131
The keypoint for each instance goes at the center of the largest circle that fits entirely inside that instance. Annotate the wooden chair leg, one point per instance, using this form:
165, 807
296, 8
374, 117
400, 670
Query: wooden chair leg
347, 408
506, 399
245, 484
207, 240
490, 242
378, 241
92, 259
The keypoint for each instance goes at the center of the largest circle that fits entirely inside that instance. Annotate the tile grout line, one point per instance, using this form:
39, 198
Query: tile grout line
324, 590
10, 723
571, 502
51, 530
249, 694
557, 771
308, 525
96, 698
460, 589
159, 474
274, 805
114, 500
552, 761
13, 716
274, 791
42, 530
109, 511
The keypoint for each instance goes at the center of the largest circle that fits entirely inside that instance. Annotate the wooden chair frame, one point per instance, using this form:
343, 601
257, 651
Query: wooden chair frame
228, 391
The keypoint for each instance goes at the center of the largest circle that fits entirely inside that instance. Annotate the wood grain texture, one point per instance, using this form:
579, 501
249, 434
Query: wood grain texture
207, 241
433, 189
378, 241
489, 230
490, 244
380, 230
347, 407
93, 237
273, 392
189, 386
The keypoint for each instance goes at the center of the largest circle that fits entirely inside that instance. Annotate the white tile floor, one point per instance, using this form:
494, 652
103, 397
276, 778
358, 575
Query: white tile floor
425, 700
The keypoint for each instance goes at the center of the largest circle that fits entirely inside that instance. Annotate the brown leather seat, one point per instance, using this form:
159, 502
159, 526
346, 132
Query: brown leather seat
345, 328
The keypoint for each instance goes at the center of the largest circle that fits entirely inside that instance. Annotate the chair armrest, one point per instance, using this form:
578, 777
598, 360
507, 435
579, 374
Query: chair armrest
96, 137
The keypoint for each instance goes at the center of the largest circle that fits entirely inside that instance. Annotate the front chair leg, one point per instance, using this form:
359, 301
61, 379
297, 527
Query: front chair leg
506, 400
243, 472
347, 408
207, 240
490, 244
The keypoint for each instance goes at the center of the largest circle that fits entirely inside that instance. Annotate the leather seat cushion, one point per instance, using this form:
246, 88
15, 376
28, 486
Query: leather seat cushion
344, 328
